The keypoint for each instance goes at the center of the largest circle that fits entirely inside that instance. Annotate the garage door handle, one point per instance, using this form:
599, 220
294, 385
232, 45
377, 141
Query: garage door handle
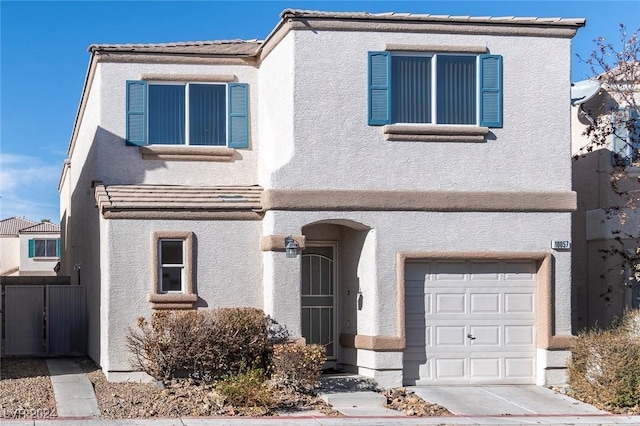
469, 336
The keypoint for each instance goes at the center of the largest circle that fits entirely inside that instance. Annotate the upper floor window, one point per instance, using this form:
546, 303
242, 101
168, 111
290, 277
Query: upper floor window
46, 247
459, 89
187, 114
625, 137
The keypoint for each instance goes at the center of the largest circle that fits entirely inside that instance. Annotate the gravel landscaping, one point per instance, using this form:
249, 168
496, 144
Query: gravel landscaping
25, 389
26, 392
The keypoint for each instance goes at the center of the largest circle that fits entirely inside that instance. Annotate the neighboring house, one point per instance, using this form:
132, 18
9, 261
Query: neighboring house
28, 247
421, 164
602, 289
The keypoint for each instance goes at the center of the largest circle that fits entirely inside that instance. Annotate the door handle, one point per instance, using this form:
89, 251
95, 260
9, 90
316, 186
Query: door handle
469, 336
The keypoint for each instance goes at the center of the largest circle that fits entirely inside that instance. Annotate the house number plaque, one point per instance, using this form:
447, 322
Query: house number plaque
560, 245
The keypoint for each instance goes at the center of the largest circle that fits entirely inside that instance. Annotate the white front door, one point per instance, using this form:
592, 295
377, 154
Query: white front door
318, 281
470, 322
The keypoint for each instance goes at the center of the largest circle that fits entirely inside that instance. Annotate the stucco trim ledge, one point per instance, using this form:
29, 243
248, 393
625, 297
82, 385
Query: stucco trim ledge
372, 343
440, 201
187, 153
435, 133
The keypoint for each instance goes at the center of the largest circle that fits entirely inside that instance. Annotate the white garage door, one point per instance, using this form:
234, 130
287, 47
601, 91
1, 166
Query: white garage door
470, 322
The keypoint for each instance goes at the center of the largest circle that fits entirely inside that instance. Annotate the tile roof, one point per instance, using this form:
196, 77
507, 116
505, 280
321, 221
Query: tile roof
12, 225
42, 227
172, 197
215, 47
297, 13
250, 48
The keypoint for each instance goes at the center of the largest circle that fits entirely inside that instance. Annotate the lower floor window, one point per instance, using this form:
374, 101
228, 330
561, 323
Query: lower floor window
172, 267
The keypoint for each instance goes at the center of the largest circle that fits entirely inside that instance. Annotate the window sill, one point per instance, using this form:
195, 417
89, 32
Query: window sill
435, 133
172, 300
187, 153
45, 259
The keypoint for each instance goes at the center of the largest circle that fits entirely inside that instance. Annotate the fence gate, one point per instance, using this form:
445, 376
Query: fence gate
44, 320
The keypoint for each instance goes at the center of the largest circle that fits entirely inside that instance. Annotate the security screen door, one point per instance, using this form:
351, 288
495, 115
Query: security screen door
318, 296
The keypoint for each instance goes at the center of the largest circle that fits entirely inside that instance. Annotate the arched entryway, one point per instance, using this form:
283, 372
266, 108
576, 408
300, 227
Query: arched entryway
330, 283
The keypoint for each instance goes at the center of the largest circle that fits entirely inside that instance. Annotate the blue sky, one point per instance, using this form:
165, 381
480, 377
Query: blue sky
43, 60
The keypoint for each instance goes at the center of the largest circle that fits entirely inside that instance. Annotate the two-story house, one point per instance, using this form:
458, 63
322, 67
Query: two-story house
417, 167
606, 222
28, 248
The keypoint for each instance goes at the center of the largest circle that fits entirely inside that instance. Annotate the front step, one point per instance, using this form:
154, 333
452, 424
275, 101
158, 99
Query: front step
358, 399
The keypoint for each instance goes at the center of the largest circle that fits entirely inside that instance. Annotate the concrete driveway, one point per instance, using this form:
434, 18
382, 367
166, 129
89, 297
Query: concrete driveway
503, 400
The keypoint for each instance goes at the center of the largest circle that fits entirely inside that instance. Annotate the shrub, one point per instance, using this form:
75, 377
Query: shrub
246, 388
605, 365
297, 367
202, 344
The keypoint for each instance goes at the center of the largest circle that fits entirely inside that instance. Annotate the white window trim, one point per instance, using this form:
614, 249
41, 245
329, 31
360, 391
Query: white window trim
45, 257
163, 265
186, 85
433, 86
185, 299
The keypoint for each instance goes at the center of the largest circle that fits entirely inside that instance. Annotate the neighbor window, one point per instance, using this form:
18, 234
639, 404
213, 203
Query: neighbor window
459, 89
47, 247
625, 136
197, 114
172, 267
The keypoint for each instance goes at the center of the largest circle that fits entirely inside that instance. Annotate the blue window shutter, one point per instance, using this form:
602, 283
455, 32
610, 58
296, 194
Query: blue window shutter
58, 246
491, 90
136, 112
32, 248
620, 146
378, 79
238, 115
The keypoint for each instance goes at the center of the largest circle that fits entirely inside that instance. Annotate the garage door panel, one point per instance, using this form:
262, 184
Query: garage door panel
484, 303
482, 320
518, 302
516, 367
485, 335
485, 368
450, 336
449, 368
487, 271
450, 303
518, 335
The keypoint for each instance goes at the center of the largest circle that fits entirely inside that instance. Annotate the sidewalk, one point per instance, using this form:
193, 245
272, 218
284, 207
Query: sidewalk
334, 421
353, 396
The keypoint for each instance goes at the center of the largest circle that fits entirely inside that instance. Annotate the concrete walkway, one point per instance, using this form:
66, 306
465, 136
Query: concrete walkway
72, 390
334, 421
354, 396
356, 399
504, 400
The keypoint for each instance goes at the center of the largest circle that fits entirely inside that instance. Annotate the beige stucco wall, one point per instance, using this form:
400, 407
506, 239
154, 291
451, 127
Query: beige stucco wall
227, 273
121, 164
393, 232
530, 152
9, 253
33, 266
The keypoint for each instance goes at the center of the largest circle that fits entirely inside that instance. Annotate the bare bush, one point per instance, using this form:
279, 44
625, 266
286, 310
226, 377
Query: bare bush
297, 367
205, 344
605, 366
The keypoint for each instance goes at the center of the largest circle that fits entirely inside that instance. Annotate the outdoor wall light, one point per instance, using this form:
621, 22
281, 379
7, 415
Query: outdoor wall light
290, 247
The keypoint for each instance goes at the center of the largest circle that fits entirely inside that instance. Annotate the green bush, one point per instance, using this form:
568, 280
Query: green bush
204, 344
605, 365
297, 367
246, 389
